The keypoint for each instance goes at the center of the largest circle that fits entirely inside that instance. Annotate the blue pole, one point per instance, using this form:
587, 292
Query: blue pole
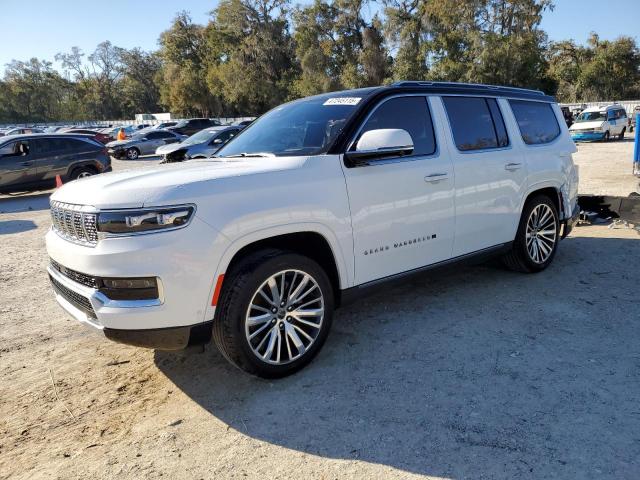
636, 148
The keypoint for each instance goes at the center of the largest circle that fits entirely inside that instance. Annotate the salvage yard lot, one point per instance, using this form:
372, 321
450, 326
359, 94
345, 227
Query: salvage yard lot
474, 372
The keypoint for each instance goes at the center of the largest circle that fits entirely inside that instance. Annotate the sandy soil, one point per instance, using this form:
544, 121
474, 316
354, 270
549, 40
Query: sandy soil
470, 373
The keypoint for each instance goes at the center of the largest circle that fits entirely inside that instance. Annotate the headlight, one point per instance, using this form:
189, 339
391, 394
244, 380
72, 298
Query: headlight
143, 220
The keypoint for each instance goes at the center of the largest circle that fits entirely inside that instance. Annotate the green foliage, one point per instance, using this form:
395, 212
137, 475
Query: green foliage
255, 54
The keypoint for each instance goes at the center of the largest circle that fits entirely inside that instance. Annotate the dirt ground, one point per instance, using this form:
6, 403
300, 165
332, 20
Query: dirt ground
470, 373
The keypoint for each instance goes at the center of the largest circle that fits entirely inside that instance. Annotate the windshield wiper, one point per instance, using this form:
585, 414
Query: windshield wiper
253, 154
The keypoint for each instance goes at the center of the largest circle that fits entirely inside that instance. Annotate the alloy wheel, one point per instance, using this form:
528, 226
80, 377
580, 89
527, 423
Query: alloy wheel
541, 233
284, 317
84, 174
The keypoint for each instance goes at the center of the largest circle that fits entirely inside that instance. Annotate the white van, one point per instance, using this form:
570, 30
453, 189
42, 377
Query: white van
600, 123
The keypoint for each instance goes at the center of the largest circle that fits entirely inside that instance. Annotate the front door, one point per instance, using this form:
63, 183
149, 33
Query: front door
17, 165
402, 209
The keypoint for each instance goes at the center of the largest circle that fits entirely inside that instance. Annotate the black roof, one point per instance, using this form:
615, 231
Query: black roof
27, 136
473, 89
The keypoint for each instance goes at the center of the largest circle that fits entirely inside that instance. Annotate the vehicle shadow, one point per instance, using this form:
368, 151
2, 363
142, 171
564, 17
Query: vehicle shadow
469, 373
25, 202
16, 226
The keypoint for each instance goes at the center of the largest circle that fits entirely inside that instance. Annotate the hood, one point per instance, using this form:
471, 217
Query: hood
166, 184
171, 147
119, 143
586, 125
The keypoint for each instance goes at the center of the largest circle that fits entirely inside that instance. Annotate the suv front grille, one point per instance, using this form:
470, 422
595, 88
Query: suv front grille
74, 224
77, 300
82, 278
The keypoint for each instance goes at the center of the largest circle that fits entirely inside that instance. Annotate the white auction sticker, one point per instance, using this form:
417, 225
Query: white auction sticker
342, 101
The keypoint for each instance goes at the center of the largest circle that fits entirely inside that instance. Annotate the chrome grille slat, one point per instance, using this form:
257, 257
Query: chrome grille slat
75, 224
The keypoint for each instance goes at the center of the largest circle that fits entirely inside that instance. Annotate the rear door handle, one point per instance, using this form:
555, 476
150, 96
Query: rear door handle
513, 166
436, 177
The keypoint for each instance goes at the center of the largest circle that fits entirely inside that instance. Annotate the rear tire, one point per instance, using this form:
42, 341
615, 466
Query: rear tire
82, 172
536, 242
274, 313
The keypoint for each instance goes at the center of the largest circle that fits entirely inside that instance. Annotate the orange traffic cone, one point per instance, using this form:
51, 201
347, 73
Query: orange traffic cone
58, 181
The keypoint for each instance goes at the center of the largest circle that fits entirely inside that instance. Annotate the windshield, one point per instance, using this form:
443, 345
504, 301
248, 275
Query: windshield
181, 123
303, 127
201, 137
591, 117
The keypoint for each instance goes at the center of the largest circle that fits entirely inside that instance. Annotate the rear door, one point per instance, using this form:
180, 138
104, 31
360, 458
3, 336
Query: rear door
490, 173
17, 169
402, 210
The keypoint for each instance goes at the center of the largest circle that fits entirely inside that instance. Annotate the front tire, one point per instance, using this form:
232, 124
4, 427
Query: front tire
621, 136
536, 242
274, 313
133, 153
606, 136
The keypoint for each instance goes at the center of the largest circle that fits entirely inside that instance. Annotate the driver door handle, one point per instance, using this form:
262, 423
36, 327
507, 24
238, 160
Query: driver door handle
436, 177
513, 166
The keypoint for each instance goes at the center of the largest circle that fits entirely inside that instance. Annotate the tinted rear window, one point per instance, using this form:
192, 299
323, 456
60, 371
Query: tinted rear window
407, 113
536, 120
476, 123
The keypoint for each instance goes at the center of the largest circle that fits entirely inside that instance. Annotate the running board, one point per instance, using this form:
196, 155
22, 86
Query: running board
352, 294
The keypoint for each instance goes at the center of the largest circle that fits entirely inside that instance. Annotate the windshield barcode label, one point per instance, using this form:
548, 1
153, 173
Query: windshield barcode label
342, 101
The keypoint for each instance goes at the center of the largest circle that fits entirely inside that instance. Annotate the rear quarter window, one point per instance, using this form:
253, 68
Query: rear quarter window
536, 120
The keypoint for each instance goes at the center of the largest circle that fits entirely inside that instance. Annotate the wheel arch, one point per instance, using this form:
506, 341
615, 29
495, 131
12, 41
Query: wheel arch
552, 191
312, 240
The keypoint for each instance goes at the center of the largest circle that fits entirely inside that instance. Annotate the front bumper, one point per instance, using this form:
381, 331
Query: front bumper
183, 261
586, 136
118, 153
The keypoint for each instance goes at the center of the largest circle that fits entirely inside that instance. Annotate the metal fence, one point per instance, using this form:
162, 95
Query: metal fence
113, 123
628, 105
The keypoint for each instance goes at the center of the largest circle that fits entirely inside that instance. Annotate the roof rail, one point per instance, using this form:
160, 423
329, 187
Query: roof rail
464, 86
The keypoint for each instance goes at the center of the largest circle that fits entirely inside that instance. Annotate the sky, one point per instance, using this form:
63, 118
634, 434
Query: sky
53, 26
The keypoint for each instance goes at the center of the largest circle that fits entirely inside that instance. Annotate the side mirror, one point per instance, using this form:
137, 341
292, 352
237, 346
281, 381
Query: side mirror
380, 144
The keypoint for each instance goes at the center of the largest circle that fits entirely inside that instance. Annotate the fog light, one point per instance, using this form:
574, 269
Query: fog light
130, 282
130, 288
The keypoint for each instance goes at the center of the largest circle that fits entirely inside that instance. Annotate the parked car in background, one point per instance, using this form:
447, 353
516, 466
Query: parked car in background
318, 202
193, 125
112, 132
22, 131
199, 145
600, 123
144, 143
31, 162
632, 118
243, 123
97, 135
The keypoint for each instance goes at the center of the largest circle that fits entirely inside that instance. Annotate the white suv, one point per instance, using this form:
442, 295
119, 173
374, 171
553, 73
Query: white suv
311, 205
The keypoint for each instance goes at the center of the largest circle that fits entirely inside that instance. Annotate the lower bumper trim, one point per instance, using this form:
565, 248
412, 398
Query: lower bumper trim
172, 338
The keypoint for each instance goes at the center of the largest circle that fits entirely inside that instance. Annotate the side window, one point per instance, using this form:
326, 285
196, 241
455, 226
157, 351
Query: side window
163, 135
537, 121
224, 137
410, 114
9, 149
15, 149
476, 123
154, 135
622, 113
